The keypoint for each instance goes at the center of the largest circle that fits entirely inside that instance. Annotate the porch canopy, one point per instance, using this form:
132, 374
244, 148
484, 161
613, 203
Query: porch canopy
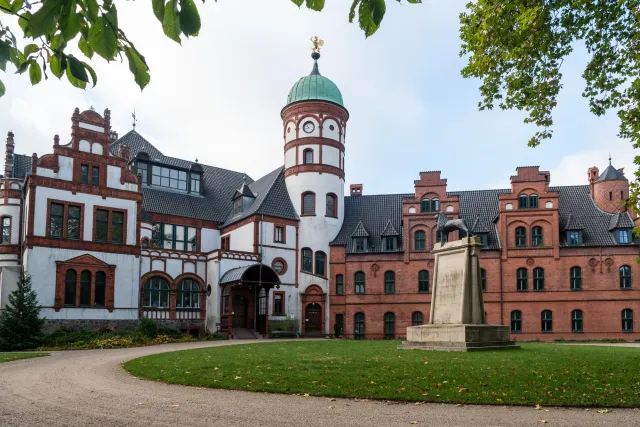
258, 274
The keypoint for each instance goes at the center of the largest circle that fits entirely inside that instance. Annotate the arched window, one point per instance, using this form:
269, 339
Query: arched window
547, 321
85, 288
425, 206
423, 281
516, 321
417, 318
420, 241
576, 321
483, 279
359, 282
320, 263
625, 277
538, 279
575, 278
308, 203
332, 206
70, 282
627, 320
522, 279
533, 201
389, 282
521, 237
523, 201
188, 294
307, 260
536, 236
389, 326
308, 156
156, 293
358, 332
435, 205
100, 288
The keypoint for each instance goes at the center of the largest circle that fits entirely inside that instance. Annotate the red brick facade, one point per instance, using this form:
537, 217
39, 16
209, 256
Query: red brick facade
601, 298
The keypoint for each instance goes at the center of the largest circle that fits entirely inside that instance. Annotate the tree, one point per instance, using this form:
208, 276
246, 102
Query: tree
20, 322
53, 25
517, 47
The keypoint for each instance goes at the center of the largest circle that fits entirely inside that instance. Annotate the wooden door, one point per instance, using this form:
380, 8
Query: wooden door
313, 319
239, 311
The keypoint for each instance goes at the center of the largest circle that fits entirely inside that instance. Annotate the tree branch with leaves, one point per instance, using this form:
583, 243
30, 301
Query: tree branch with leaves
49, 27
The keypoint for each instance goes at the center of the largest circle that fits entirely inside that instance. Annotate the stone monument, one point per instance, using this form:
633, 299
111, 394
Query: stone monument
457, 321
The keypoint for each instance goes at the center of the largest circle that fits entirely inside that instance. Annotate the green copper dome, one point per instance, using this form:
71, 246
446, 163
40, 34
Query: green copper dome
315, 87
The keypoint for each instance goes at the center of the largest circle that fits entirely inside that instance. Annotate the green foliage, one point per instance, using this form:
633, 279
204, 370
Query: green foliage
54, 24
8, 357
87, 339
545, 374
517, 49
148, 328
20, 322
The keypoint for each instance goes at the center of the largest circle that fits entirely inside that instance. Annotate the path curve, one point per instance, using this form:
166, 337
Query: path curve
90, 388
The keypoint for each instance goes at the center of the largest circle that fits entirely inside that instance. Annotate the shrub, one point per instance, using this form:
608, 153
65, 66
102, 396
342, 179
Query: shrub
217, 336
148, 328
172, 332
20, 322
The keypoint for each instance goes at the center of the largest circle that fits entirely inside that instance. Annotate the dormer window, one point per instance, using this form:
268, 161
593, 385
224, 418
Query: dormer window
623, 236
237, 206
143, 170
430, 205
169, 178
195, 182
360, 244
389, 243
574, 238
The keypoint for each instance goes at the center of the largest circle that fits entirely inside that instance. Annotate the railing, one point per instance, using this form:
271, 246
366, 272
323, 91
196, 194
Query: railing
175, 314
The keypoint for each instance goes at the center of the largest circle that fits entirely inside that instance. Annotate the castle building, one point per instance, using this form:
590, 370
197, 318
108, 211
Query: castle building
111, 230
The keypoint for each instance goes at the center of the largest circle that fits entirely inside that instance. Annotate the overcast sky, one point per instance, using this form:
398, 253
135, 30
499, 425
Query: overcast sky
218, 97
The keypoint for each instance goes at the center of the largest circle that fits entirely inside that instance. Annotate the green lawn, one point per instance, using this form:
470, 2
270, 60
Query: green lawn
8, 357
546, 374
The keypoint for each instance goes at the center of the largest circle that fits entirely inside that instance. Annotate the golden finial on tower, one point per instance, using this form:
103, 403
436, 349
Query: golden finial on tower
317, 43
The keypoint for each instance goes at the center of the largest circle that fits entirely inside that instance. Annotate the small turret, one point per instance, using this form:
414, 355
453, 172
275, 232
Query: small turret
609, 190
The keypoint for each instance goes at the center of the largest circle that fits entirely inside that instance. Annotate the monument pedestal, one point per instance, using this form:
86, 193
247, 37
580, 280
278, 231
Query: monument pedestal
458, 338
457, 321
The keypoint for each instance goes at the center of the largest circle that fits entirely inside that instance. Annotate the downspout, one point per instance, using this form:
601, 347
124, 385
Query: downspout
501, 295
22, 228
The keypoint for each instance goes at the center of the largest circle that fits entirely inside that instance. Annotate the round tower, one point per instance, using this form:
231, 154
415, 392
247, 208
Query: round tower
314, 125
610, 189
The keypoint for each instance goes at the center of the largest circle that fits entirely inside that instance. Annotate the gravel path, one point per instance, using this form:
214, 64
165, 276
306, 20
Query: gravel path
89, 388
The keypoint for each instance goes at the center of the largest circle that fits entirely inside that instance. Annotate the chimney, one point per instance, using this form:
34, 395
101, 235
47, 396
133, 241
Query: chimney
113, 136
356, 189
592, 174
124, 151
8, 158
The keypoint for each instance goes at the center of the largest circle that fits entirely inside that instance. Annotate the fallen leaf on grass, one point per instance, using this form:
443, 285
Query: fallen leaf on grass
419, 403
604, 411
237, 377
306, 395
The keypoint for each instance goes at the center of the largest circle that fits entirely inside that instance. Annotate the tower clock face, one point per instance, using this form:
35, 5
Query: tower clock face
308, 127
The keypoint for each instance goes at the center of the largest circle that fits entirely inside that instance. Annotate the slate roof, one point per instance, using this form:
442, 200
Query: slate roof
571, 222
218, 185
360, 231
610, 173
21, 165
479, 208
245, 191
271, 198
374, 212
620, 220
389, 230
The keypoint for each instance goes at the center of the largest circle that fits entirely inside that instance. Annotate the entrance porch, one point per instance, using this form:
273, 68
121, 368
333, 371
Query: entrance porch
243, 305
